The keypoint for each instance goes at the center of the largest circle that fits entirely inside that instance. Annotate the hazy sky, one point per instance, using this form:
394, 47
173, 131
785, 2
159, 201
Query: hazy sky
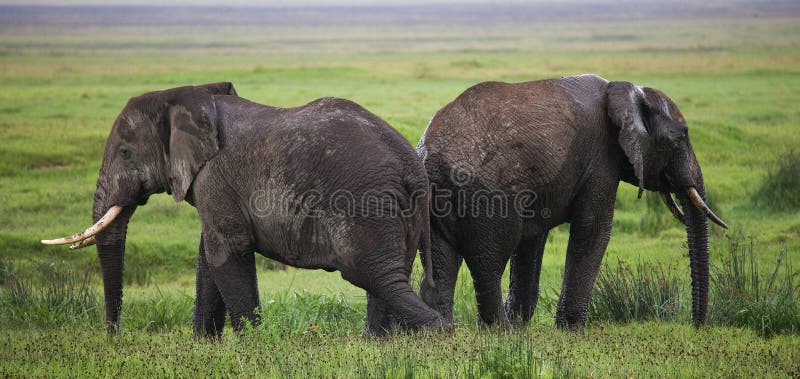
301, 2
251, 2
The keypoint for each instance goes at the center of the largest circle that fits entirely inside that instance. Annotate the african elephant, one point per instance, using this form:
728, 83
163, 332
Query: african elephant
508, 162
327, 185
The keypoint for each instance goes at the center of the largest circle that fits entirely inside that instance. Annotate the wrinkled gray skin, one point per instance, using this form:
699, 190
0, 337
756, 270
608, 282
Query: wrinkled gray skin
261, 179
571, 141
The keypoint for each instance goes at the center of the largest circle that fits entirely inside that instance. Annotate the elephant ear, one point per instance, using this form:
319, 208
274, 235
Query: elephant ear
625, 110
221, 88
192, 118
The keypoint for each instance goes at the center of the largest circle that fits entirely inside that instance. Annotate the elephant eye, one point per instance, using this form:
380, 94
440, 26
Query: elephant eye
125, 153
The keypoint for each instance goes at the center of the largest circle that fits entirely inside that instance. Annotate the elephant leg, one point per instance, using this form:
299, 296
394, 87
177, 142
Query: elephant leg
236, 280
407, 308
229, 250
379, 321
209, 309
486, 279
590, 232
383, 269
446, 262
393, 292
486, 254
523, 291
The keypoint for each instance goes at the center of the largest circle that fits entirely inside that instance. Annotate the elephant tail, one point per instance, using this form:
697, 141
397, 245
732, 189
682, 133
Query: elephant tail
427, 261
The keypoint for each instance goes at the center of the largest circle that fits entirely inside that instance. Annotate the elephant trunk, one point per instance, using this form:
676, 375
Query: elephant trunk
686, 179
697, 240
111, 251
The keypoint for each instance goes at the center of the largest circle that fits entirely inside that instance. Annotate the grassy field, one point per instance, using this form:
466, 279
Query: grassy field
736, 80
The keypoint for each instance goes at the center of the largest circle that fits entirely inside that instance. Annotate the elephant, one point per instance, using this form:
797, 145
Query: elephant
327, 185
508, 162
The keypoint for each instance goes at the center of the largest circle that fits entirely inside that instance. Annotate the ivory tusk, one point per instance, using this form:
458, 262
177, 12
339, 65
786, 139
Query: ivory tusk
701, 205
81, 244
670, 202
101, 224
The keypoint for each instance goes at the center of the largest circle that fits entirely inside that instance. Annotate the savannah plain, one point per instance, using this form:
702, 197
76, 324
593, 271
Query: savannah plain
734, 71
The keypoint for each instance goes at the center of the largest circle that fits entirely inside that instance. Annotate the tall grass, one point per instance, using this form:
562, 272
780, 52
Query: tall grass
741, 294
160, 311
744, 296
61, 296
5, 270
47, 295
780, 190
296, 313
643, 292
488, 355
503, 358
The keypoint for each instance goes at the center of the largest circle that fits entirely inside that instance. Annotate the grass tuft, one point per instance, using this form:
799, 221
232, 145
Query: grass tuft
393, 365
58, 296
300, 313
6, 269
643, 292
501, 357
780, 190
744, 296
159, 312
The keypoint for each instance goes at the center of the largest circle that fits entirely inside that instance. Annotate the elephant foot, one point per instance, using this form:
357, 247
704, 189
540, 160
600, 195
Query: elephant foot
208, 336
441, 305
572, 325
498, 324
441, 324
435, 327
519, 318
492, 315
243, 320
380, 322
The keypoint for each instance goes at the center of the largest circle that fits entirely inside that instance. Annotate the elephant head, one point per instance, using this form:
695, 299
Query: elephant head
654, 136
158, 143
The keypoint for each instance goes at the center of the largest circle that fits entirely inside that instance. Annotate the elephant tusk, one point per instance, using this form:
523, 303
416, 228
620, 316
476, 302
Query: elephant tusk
701, 205
101, 224
670, 202
81, 244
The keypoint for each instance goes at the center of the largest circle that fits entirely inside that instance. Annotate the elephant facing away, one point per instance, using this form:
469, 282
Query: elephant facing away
327, 185
508, 162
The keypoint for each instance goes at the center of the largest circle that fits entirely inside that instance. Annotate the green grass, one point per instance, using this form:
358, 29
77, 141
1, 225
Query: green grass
737, 83
638, 349
741, 293
744, 296
644, 292
781, 188
57, 295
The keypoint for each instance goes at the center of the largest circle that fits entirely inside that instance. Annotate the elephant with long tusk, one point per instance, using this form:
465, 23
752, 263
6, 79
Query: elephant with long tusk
83, 243
327, 185
86, 237
555, 150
